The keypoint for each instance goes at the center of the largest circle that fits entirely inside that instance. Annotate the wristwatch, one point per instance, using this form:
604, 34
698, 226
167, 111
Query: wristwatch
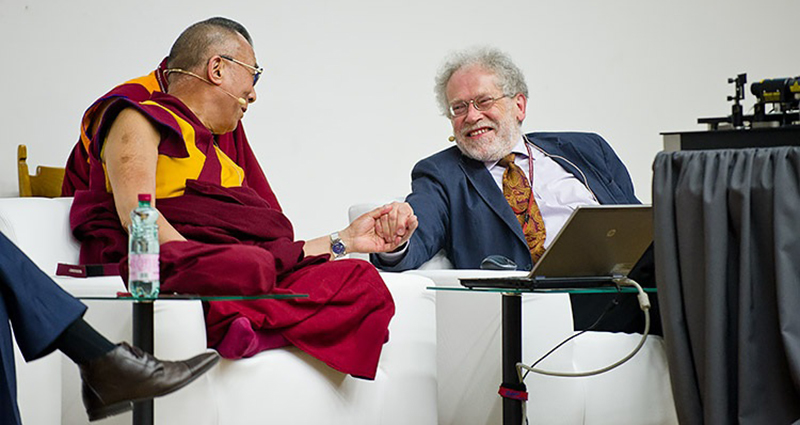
338, 247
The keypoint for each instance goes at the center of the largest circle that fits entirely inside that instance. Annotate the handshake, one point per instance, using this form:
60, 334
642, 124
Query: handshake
383, 229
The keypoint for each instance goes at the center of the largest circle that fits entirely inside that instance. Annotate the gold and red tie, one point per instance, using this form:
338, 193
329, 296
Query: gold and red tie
518, 193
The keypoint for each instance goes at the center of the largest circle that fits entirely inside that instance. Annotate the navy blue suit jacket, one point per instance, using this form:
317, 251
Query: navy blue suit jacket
463, 211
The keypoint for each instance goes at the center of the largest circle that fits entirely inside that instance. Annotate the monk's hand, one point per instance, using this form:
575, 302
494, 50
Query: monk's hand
382, 229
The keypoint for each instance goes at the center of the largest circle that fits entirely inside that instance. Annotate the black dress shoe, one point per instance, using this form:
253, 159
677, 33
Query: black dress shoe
127, 374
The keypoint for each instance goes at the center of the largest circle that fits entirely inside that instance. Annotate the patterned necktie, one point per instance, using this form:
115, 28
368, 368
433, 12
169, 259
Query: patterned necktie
518, 193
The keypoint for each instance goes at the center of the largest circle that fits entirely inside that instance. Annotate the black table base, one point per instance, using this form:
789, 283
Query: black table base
143, 411
512, 354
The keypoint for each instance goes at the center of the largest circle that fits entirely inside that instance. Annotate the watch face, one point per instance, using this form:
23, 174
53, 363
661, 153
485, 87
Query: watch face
338, 248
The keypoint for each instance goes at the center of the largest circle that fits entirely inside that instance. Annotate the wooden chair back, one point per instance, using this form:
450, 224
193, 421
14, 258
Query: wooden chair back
45, 183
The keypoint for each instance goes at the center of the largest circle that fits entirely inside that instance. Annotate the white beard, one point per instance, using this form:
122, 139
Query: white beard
507, 134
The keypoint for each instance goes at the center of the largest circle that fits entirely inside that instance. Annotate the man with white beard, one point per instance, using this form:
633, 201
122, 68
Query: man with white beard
474, 200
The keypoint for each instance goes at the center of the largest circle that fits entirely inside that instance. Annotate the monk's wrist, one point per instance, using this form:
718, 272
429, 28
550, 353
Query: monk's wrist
341, 244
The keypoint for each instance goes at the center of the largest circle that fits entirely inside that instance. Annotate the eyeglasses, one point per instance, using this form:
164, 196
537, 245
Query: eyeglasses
481, 104
257, 71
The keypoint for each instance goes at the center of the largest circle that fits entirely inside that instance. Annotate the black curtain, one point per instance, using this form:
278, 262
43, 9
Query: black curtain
727, 249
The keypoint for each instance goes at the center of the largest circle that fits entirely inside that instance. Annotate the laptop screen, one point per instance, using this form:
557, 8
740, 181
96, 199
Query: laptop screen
598, 240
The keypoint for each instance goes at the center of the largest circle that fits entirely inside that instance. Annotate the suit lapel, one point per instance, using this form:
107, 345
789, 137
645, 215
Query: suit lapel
487, 189
558, 151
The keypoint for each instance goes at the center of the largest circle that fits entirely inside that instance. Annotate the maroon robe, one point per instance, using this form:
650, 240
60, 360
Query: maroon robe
234, 144
241, 243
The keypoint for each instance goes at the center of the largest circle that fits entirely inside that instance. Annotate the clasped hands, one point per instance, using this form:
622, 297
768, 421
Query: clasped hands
383, 229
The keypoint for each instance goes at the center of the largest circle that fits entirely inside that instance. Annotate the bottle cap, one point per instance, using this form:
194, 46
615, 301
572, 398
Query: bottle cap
145, 197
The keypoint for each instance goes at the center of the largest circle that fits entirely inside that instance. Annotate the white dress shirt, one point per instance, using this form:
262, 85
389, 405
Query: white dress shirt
557, 192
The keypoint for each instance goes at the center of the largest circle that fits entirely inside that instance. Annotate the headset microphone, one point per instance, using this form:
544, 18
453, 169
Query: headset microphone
238, 99
241, 100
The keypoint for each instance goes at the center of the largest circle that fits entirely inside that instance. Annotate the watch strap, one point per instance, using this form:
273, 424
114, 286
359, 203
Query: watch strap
338, 247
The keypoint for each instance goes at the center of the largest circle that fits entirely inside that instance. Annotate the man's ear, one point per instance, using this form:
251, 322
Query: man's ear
214, 70
521, 102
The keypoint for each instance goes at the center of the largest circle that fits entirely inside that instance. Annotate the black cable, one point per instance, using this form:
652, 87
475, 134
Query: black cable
611, 305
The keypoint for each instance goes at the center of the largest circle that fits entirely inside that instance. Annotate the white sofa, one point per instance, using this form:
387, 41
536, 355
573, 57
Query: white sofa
282, 386
469, 360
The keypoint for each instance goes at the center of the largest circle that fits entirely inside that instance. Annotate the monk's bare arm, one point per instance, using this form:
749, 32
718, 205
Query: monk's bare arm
131, 156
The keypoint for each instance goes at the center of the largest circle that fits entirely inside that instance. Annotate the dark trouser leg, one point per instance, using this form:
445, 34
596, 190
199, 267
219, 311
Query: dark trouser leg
9, 413
38, 308
625, 317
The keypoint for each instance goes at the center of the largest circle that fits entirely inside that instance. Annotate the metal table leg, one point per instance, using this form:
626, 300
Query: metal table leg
512, 354
143, 338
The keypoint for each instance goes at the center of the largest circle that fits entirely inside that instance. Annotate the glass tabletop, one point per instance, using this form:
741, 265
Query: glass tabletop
597, 290
126, 296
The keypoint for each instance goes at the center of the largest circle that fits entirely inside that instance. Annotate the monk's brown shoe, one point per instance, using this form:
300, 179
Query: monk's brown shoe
126, 374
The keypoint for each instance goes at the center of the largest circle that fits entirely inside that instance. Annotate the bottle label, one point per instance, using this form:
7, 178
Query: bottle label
143, 267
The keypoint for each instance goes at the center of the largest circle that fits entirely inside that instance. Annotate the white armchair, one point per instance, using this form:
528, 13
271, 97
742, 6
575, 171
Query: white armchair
281, 386
469, 360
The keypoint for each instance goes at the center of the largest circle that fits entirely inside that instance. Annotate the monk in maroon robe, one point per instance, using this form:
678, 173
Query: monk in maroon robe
221, 228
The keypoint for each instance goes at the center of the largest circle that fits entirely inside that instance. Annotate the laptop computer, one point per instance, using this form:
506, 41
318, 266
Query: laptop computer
598, 244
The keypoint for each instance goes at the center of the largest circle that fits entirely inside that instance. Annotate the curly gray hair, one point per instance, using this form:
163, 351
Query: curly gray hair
509, 77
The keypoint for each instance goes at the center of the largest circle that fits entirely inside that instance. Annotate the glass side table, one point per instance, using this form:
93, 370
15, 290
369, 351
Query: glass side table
143, 413
512, 330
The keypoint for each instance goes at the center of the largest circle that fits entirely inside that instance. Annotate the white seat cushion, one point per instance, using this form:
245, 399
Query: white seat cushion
306, 391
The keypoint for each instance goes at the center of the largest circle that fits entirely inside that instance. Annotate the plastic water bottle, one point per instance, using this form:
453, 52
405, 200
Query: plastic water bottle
143, 250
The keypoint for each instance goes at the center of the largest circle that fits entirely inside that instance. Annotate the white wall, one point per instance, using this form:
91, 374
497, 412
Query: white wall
346, 106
